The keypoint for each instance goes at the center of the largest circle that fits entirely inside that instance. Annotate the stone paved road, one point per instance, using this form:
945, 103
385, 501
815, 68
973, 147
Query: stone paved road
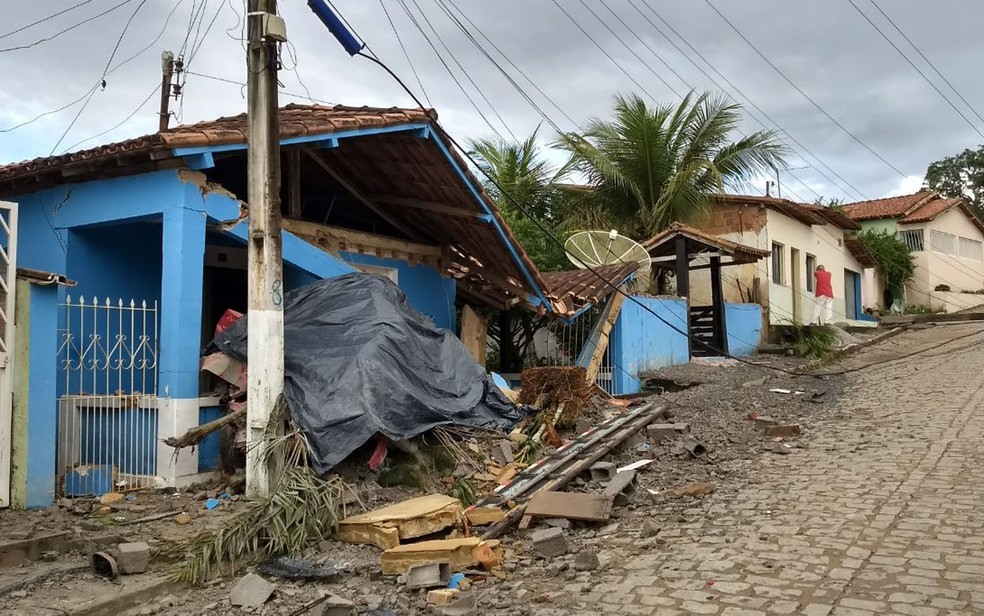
881, 513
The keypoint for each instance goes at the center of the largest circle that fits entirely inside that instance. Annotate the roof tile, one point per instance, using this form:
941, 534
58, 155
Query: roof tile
889, 207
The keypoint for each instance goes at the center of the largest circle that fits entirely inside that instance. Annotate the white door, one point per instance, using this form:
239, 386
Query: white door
8, 276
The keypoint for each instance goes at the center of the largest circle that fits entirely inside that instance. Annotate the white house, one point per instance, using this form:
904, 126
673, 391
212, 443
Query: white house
799, 237
946, 238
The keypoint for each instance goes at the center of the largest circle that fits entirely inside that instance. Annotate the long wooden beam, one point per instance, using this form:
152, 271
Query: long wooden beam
358, 241
428, 206
358, 194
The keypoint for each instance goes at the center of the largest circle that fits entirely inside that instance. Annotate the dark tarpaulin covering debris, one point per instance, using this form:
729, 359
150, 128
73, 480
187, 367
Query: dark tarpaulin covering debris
359, 360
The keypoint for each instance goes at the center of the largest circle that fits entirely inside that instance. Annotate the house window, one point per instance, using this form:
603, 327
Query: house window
943, 242
777, 264
811, 266
970, 249
913, 239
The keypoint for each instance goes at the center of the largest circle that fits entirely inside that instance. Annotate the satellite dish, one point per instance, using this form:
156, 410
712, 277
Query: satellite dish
588, 249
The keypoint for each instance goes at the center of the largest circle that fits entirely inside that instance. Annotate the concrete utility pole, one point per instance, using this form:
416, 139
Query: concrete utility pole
266, 311
167, 69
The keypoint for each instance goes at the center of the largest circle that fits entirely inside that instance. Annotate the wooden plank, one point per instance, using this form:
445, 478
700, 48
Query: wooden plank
427, 206
388, 526
480, 516
460, 553
474, 334
356, 241
599, 338
294, 183
573, 506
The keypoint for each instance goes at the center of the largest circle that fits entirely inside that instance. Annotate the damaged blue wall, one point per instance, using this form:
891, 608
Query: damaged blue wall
641, 342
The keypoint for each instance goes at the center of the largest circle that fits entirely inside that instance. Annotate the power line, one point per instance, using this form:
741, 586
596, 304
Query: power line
928, 61
243, 85
47, 113
153, 91
813, 102
44, 19
916, 68
68, 29
102, 80
748, 99
406, 54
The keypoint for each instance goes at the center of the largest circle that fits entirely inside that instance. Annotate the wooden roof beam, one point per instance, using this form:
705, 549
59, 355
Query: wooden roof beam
431, 206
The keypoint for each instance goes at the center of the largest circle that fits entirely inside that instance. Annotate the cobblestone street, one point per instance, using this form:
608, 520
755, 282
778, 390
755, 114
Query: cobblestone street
878, 514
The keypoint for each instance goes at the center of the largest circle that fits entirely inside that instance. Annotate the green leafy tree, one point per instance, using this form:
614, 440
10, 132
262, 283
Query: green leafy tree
895, 263
525, 179
651, 166
961, 175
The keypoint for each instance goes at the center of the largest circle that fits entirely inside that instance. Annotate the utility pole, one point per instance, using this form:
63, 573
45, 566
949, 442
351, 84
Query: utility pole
167, 70
265, 322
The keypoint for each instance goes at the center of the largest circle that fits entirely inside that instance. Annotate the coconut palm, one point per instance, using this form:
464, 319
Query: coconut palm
524, 180
651, 166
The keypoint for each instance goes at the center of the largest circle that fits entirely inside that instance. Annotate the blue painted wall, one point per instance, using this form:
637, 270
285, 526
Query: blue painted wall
42, 406
116, 261
744, 328
641, 342
426, 290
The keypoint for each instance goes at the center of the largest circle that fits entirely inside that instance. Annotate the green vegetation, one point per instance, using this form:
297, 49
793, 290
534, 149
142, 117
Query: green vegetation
961, 175
814, 342
895, 262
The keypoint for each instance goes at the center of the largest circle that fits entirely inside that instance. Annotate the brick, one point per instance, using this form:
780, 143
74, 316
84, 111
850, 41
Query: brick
442, 596
783, 430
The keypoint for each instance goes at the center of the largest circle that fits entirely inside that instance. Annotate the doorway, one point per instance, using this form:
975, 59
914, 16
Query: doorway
852, 294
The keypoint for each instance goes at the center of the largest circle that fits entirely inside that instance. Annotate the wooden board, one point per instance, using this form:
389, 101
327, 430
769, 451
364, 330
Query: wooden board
387, 527
480, 516
599, 337
590, 507
458, 552
474, 334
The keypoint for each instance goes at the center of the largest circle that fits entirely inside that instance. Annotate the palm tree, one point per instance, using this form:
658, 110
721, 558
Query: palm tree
523, 180
650, 167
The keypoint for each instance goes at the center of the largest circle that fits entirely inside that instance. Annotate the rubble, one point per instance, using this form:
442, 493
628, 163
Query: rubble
550, 542
334, 605
694, 489
387, 527
251, 591
459, 553
573, 506
602, 471
428, 575
784, 430
481, 516
586, 560
621, 487
442, 596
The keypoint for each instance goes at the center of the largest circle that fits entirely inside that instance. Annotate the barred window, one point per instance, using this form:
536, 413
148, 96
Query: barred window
913, 239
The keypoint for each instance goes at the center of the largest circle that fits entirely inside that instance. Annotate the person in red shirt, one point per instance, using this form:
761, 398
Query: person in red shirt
824, 292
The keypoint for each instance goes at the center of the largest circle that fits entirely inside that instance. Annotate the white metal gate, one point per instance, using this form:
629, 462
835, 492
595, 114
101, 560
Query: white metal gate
107, 415
8, 277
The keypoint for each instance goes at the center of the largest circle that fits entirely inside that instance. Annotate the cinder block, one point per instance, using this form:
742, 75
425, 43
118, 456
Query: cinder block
550, 542
133, 557
602, 471
621, 487
429, 575
667, 431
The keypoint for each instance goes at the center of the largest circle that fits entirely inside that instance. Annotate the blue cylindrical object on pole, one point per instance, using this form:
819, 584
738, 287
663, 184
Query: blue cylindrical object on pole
336, 26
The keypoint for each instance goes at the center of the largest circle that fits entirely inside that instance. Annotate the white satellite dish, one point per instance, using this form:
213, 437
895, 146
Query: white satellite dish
588, 249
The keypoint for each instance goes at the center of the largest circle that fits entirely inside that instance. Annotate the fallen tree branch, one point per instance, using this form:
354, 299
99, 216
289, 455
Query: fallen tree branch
198, 433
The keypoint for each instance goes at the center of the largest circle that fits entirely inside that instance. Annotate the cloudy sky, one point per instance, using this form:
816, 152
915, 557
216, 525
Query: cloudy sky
871, 129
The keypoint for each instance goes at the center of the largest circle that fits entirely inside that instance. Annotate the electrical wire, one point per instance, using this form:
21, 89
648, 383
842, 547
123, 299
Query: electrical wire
916, 68
927, 60
68, 29
109, 62
47, 113
746, 98
243, 85
150, 95
406, 54
44, 19
803, 93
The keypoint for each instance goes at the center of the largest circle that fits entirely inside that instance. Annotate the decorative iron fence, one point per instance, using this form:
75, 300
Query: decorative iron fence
108, 415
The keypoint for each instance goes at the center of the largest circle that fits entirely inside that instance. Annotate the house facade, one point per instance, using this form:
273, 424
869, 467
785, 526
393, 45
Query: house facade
129, 253
798, 238
946, 238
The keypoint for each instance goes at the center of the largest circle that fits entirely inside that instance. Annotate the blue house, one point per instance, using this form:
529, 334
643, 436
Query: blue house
141, 248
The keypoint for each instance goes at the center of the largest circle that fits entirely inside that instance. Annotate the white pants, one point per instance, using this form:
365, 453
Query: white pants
827, 303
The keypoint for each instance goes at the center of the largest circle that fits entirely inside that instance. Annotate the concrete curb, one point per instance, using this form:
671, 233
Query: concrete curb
953, 317
128, 598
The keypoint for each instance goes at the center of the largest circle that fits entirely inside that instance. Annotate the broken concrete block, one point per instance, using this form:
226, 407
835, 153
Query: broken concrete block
334, 606
602, 471
783, 430
133, 557
586, 560
550, 542
428, 575
762, 422
557, 522
502, 452
442, 596
251, 591
621, 487
464, 606
694, 447
650, 529
667, 431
